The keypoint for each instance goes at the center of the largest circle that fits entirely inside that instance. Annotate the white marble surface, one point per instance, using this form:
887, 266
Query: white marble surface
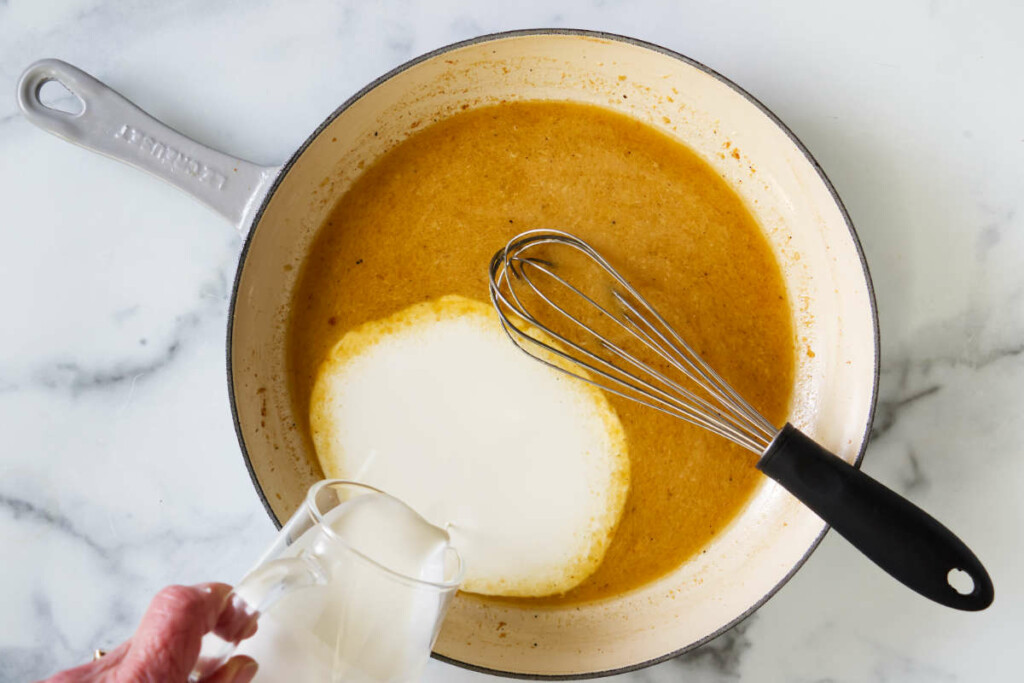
119, 469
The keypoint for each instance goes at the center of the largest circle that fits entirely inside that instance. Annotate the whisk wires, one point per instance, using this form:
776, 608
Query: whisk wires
553, 314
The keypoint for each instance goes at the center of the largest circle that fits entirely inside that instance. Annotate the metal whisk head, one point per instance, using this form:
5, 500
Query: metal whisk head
562, 303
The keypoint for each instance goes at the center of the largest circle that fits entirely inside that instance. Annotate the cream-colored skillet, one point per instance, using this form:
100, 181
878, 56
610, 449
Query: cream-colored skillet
279, 210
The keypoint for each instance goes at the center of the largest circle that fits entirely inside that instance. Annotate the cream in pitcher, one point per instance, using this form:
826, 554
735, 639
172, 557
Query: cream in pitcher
353, 590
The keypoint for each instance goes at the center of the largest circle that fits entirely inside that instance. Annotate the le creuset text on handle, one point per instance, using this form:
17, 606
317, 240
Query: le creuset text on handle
111, 125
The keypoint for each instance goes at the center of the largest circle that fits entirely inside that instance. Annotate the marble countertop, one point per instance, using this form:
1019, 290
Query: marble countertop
120, 472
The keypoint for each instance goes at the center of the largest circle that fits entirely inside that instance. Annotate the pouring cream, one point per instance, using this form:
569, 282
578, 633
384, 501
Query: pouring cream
527, 468
375, 616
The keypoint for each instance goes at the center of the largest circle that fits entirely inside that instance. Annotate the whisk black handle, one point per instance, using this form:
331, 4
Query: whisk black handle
898, 536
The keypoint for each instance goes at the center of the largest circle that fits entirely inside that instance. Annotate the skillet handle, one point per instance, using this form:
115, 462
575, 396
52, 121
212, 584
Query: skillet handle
898, 536
111, 125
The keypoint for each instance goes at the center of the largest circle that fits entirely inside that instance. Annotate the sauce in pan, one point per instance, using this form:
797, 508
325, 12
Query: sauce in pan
424, 220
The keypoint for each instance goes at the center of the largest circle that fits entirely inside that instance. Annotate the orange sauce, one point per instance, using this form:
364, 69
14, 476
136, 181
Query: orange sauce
424, 220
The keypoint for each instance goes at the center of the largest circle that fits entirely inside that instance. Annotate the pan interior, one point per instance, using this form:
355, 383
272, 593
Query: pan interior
780, 186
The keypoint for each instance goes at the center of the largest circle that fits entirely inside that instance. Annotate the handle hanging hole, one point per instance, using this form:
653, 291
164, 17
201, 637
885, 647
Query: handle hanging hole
53, 94
960, 581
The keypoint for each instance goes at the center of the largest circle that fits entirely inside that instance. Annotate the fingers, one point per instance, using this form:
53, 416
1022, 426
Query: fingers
240, 669
166, 645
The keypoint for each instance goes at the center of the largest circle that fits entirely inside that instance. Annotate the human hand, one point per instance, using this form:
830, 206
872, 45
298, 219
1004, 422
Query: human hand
166, 645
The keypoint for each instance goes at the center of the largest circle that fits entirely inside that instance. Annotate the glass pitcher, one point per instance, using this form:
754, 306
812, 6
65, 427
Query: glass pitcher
326, 609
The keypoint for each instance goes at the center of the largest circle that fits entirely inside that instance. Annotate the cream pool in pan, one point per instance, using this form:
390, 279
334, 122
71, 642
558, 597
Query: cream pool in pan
526, 468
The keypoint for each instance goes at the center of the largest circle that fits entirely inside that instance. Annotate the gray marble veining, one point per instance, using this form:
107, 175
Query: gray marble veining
120, 472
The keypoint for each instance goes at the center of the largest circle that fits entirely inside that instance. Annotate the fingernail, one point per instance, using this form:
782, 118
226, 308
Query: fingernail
246, 673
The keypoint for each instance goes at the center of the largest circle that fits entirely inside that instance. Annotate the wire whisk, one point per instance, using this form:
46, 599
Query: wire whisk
598, 358
562, 303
